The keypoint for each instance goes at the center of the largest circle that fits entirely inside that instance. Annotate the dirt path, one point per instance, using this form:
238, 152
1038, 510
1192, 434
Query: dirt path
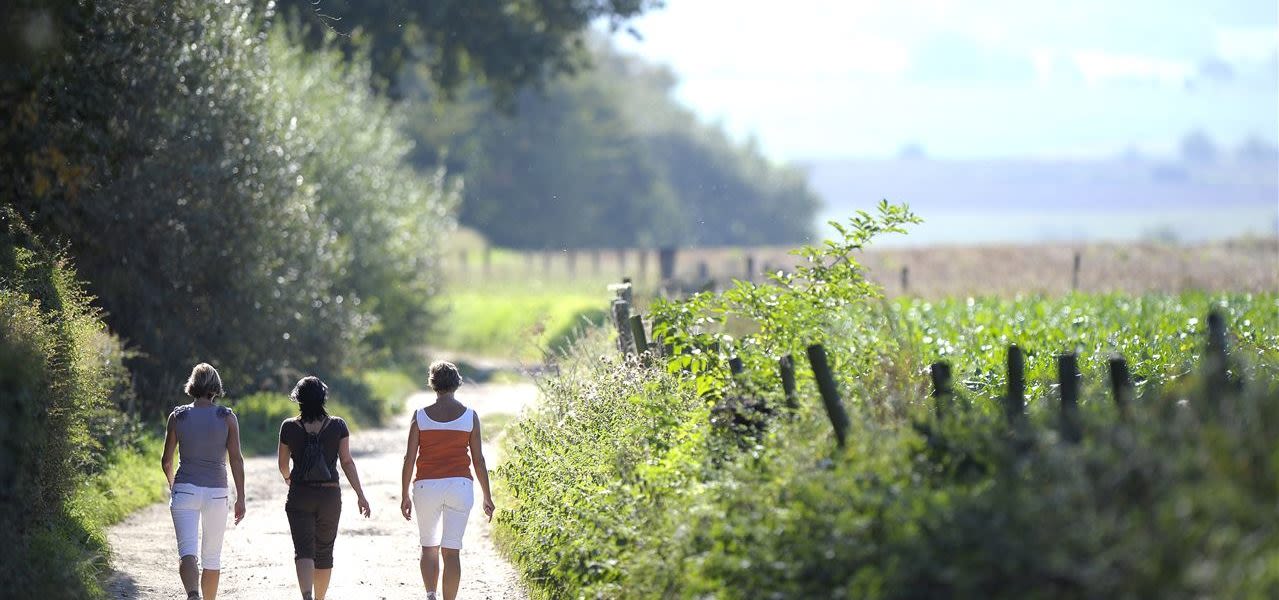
375, 558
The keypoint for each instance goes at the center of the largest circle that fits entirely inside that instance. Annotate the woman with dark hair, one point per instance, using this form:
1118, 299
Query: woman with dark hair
314, 441
444, 444
204, 435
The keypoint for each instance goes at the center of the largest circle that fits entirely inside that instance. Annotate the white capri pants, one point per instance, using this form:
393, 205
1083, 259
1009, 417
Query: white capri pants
195, 508
443, 507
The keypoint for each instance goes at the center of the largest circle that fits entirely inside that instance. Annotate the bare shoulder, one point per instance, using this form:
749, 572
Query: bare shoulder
179, 412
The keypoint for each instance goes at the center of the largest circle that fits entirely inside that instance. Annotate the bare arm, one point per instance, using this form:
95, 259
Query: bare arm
406, 474
481, 468
352, 476
170, 447
282, 459
236, 460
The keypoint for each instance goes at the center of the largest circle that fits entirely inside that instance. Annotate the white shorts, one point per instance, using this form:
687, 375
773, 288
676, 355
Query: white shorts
443, 507
195, 508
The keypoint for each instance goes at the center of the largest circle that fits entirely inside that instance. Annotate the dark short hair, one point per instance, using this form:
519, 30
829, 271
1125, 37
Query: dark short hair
204, 382
310, 393
444, 376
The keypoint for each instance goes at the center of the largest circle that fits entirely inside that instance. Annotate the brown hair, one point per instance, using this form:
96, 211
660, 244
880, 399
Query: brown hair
204, 382
444, 376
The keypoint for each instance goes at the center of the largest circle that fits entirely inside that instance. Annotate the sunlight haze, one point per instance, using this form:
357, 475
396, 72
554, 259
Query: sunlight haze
976, 79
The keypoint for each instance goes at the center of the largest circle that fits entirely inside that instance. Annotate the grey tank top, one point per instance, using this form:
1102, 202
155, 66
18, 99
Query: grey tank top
202, 433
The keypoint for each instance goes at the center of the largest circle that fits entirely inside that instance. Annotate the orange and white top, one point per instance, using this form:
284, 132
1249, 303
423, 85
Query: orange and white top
444, 449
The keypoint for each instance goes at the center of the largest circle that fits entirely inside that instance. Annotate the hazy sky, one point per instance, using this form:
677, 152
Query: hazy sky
973, 78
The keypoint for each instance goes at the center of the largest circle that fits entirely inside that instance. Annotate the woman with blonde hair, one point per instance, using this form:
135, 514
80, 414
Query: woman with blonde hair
444, 444
314, 442
204, 435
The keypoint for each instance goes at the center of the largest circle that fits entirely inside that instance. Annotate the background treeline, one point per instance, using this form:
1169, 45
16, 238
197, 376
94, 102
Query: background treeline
561, 145
605, 158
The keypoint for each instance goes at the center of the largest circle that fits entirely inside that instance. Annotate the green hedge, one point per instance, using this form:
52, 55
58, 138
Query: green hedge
659, 479
70, 463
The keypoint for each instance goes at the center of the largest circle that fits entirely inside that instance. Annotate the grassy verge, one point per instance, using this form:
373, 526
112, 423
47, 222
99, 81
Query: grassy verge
519, 322
75, 543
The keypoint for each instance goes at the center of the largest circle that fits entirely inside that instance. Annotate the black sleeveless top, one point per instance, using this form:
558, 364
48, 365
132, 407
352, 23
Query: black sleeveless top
293, 435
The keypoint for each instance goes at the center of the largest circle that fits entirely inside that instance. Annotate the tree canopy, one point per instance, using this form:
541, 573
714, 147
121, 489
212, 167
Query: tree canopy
507, 44
228, 197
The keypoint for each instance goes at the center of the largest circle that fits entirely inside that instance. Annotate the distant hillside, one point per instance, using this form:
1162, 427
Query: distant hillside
1033, 200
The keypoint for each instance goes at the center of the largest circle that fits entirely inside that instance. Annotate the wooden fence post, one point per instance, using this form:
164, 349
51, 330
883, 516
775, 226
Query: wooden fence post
628, 292
638, 336
1015, 400
1068, 384
1216, 361
703, 272
905, 280
786, 366
830, 393
1074, 276
660, 346
750, 268
942, 391
666, 263
1120, 384
621, 320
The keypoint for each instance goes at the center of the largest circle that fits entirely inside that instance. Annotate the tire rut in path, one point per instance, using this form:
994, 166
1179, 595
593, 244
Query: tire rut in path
374, 558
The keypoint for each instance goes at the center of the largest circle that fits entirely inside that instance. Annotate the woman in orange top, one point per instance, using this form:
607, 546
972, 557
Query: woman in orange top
444, 444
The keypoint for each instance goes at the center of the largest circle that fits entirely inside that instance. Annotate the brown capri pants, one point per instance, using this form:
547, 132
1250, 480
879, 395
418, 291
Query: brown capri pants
313, 513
